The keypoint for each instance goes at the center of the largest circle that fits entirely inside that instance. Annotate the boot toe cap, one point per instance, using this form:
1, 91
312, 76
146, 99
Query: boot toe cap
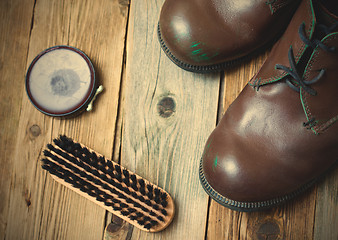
188, 34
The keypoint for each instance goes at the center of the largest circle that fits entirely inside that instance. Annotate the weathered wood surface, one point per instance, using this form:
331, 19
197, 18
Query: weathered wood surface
15, 19
36, 206
152, 117
167, 116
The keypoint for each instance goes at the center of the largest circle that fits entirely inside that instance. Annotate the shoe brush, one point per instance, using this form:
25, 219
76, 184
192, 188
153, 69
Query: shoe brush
108, 184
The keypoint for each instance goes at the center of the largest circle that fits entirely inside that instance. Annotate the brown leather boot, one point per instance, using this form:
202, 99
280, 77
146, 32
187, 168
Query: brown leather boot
209, 35
280, 135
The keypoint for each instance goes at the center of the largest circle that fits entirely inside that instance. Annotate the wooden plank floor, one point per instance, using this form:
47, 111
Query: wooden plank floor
153, 118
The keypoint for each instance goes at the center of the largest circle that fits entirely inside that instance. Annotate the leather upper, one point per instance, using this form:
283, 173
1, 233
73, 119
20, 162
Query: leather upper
204, 32
273, 140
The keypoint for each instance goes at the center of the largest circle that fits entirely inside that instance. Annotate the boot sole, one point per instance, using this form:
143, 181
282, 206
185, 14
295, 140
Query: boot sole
215, 67
248, 206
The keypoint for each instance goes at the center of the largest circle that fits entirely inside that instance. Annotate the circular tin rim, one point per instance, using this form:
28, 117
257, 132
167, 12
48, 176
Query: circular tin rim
79, 106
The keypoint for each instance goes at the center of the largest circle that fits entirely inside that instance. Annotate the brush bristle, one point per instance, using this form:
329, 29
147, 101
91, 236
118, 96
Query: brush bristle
118, 188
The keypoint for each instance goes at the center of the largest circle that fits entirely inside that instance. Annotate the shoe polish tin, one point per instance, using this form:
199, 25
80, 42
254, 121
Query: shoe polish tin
60, 82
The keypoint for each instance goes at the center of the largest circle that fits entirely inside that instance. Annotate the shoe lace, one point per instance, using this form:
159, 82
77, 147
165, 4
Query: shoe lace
294, 72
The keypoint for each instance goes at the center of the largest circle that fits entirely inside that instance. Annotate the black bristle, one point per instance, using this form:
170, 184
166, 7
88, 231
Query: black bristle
153, 222
139, 214
112, 190
134, 194
46, 152
106, 196
164, 203
94, 157
125, 173
144, 209
146, 218
85, 151
133, 217
157, 192
110, 165
147, 226
141, 222
68, 149
45, 160
109, 204
121, 195
126, 190
68, 180
124, 213
148, 202
152, 213
87, 168
133, 178
126, 181
95, 172
141, 198
118, 176
134, 186
96, 181
164, 212
115, 200
118, 185
150, 195
137, 205
77, 146
64, 138
97, 191
77, 154
164, 196
93, 194
123, 205
99, 198
90, 178
112, 176
156, 207
103, 177
58, 174
83, 174
102, 168
45, 167
157, 199
141, 182
142, 191
83, 189
117, 208
160, 218
102, 160
118, 169
131, 210
150, 188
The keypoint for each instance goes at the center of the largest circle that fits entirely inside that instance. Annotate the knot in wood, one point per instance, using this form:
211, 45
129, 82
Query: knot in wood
35, 130
268, 231
166, 107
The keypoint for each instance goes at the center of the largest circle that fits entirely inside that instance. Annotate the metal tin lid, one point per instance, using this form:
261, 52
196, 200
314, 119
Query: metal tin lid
61, 81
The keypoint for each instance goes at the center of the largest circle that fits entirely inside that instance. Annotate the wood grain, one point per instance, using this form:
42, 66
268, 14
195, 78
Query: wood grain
15, 23
153, 117
326, 218
39, 207
168, 114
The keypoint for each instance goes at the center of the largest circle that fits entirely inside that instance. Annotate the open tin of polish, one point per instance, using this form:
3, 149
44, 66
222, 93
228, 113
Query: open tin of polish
60, 82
